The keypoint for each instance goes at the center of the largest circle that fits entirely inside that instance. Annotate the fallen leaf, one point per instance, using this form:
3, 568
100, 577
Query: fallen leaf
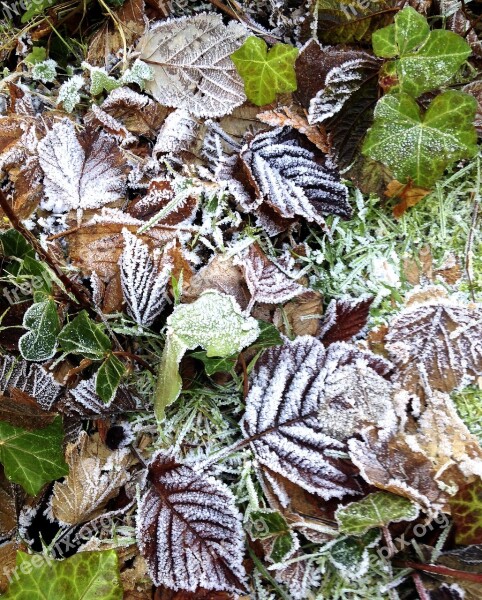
344, 319
408, 195
302, 314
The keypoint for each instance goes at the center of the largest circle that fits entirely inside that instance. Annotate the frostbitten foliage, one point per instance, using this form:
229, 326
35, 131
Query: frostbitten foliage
30, 378
304, 402
190, 58
341, 83
177, 133
189, 530
144, 279
299, 577
287, 175
436, 343
265, 280
344, 319
81, 170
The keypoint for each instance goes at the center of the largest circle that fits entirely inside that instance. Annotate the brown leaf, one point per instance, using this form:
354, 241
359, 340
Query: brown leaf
8, 506
303, 314
419, 268
409, 196
108, 40
124, 110
164, 593
21, 410
475, 90
369, 175
8, 560
292, 117
344, 319
436, 343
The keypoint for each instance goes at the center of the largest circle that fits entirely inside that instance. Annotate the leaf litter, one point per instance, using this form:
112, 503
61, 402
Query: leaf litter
241, 304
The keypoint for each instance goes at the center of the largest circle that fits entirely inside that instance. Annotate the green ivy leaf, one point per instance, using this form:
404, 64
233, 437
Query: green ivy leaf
419, 147
38, 55
14, 244
265, 73
216, 323
375, 510
427, 59
84, 576
33, 458
268, 337
215, 365
37, 8
85, 337
108, 377
466, 511
270, 524
40, 342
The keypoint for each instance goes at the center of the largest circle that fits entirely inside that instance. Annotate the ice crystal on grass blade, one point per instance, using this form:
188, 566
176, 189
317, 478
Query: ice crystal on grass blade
190, 59
82, 171
304, 402
144, 279
189, 530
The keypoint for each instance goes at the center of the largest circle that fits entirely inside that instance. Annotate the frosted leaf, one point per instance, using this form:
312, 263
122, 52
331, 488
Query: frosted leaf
299, 577
189, 530
177, 133
436, 343
344, 319
81, 171
190, 57
265, 280
340, 83
139, 73
69, 95
30, 378
94, 478
304, 402
82, 402
144, 279
288, 175
45, 71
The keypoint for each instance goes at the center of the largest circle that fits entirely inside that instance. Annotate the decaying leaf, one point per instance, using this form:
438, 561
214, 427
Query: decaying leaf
407, 194
436, 343
301, 316
189, 530
298, 576
190, 58
92, 481
344, 319
304, 402
144, 279
466, 510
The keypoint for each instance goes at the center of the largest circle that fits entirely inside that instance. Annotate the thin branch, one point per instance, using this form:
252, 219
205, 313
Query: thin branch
77, 290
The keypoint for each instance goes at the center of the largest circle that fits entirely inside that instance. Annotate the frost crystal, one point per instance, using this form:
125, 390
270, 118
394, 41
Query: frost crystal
192, 67
189, 530
69, 95
30, 378
144, 279
81, 171
288, 176
177, 133
304, 402
45, 71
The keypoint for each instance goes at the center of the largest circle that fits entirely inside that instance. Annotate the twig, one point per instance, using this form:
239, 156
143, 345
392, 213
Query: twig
77, 291
468, 247
421, 591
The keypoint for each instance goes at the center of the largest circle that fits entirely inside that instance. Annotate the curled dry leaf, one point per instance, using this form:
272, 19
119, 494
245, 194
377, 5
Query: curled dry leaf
265, 280
302, 315
92, 481
190, 58
436, 343
304, 402
81, 171
344, 319
407, 194
178, 132
189, 530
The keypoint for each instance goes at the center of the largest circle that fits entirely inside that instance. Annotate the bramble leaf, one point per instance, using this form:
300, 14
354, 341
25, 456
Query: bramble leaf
419, 147
32, 458
265, 72
84, 576
43, 322
375, 510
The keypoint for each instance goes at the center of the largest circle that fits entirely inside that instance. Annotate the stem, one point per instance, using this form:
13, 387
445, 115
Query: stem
441, 570
469, 254
421, 591
77, 290
245, 376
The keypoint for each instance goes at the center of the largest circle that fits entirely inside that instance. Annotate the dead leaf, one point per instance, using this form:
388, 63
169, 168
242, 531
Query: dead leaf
303, 315
21, 410
8, 507
292, 117
419, 268
8, 560
409, 196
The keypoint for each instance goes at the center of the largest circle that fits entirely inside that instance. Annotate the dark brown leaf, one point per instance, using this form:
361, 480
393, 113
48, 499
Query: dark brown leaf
344, 319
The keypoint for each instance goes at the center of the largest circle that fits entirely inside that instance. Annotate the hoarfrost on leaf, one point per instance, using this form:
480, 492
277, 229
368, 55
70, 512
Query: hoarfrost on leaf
82, 171
189, 530
305, 402
190, 59
144, 279
69, 95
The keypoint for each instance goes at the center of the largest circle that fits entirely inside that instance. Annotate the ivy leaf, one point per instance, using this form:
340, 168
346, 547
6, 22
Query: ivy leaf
428, 59
375, 510
189, 529
466, 511
265, 72
32, 458
214, 322
270, 525
269, 336
419, 147
108, 377
40, 343
14, 244
37, 8
85, 337
216, 365
84, 576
